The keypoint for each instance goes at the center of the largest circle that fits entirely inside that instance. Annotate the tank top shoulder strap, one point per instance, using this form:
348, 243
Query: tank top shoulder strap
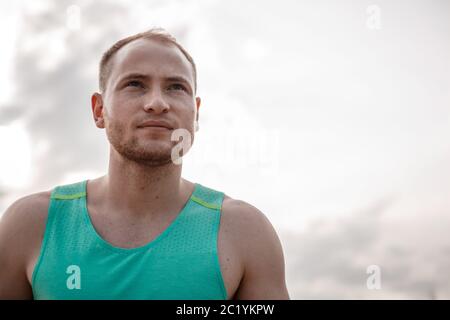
63, 224
70, 191
207, 197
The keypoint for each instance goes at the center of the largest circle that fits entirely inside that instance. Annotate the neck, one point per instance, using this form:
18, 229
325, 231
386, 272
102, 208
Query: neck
139, 190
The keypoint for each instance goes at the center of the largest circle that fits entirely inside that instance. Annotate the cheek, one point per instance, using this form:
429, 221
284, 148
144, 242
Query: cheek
191, 113
185, 112
188, 120
118, 113
114, 127
123, 103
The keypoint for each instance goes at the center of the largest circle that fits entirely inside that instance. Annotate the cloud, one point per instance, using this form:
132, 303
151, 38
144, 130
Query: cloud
404, 234
362, 116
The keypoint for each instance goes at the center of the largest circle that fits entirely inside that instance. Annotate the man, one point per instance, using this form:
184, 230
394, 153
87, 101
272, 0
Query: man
141, 231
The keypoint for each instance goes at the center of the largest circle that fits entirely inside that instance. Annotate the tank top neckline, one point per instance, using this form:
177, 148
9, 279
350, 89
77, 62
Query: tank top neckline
102, 242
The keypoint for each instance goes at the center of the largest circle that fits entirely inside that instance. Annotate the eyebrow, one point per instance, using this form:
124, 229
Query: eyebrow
146, 77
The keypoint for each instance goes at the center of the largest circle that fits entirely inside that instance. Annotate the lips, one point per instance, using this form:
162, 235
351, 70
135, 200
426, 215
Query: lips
156, 124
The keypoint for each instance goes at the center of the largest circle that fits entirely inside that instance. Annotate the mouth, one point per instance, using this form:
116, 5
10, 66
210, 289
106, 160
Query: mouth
153, 124
155, 127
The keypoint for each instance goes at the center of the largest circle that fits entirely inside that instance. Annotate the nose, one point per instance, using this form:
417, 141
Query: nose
156, 103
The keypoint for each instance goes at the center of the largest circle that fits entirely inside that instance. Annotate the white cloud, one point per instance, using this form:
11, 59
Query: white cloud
15, 162
362, 116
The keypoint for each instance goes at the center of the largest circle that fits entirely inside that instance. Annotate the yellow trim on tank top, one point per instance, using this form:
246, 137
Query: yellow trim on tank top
69, 196
204, 203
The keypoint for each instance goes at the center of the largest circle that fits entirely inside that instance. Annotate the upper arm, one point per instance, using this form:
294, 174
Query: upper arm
18, 230
262, 255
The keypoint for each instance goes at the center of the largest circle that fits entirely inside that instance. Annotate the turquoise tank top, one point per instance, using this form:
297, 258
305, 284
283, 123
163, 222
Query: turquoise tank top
181, 263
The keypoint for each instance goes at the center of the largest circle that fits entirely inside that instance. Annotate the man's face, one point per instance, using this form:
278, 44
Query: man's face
149, 80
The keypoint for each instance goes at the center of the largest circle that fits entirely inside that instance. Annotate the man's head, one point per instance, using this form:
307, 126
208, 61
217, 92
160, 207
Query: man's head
157, 34
145, 77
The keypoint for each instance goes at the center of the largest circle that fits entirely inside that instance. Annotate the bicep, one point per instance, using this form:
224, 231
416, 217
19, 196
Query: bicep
264, 274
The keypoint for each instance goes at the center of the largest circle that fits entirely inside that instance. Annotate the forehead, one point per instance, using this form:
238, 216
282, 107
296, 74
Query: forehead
150, 57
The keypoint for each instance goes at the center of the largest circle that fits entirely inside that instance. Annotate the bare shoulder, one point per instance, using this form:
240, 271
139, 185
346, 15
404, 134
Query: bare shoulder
23, 223
245, 220
249, 226
259, 248
21, 230
27, 213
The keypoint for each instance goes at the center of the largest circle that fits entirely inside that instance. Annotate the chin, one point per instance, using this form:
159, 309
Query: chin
152, 158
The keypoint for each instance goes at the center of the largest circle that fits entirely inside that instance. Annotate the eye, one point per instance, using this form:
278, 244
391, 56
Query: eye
134, 83
178, 86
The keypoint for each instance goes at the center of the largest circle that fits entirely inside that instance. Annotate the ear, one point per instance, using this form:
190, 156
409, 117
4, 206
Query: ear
97, 110
197, 103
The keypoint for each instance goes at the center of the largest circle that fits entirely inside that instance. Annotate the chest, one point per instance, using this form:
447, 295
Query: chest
134, 234
131, 235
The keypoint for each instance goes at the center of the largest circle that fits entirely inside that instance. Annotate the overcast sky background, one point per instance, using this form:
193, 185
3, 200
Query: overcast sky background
331, 117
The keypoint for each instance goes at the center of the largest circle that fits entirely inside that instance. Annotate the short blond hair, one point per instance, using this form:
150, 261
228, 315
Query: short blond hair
158, 34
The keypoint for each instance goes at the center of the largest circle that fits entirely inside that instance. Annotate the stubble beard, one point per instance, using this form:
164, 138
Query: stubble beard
152, 154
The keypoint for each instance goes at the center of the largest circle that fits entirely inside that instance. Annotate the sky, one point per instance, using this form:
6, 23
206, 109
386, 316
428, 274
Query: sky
330, 117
